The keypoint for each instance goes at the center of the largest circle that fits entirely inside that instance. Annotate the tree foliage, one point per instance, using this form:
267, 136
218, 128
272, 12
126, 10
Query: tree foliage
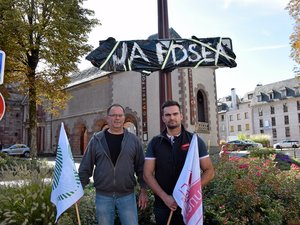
43, 41
293, 8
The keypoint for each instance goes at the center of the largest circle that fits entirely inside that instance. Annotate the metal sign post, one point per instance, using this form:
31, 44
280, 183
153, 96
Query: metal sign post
165, 84
2, 62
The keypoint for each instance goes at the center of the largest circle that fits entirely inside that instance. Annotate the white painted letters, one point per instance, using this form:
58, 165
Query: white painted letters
133, 55
193, 51
183, 58
121, 60
160, 51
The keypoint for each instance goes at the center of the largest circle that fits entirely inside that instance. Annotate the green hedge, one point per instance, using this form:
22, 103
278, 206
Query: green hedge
244, 191
28, 200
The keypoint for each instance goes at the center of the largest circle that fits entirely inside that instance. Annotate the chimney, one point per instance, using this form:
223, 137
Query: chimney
233, 99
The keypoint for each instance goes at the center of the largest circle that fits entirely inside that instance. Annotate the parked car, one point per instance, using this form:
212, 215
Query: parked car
255, 144
17, 149
286, 144
227, 153
238, 144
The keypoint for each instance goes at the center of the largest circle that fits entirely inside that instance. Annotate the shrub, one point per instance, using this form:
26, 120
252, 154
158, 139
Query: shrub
252, 191
86, 209
27, 203
15, 168
242, 136
245, 191
258, 138
261, 138
264, 153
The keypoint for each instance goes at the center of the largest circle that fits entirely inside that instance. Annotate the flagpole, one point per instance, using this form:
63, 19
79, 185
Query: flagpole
77, 213
170, 217
66, 186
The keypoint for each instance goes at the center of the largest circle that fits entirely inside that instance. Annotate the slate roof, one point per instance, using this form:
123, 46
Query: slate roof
288, 86
86, 75
264, 91
14, 95
172, 33
246, 97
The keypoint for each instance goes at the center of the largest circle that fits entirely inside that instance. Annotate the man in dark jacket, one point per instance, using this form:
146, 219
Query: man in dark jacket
114, 156
165, 158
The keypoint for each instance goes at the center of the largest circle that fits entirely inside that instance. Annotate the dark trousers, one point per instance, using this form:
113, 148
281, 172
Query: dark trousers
162, 215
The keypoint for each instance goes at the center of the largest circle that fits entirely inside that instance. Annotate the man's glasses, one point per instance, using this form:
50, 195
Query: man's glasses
116, 115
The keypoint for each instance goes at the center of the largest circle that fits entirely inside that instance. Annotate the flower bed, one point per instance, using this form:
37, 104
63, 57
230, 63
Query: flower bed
253, 191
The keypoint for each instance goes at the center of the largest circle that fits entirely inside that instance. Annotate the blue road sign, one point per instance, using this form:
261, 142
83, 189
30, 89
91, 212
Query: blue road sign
2, 62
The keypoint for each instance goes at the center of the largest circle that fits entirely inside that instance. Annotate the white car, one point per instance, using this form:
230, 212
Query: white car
286, 144
17, 149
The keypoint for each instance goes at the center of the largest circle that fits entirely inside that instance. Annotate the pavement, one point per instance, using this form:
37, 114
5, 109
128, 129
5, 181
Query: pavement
292, 152
51, 161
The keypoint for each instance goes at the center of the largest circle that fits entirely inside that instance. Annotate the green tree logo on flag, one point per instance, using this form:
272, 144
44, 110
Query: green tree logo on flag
66, 186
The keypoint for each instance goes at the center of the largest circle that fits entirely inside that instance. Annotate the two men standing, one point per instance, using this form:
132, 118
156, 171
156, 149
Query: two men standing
117, 156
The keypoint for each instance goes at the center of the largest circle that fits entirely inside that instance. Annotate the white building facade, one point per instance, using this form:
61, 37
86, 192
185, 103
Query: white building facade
272, 109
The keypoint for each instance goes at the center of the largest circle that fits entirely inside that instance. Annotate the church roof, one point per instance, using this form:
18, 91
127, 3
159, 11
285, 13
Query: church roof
172, 33
86, 75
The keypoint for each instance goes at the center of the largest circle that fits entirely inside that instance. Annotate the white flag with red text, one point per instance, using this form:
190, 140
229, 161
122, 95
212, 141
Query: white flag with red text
66, 186
188, 191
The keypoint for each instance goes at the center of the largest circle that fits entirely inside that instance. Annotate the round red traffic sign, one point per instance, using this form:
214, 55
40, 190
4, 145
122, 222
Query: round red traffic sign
2, 106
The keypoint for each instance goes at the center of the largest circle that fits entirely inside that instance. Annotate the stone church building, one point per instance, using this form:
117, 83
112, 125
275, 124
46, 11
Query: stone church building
93, 91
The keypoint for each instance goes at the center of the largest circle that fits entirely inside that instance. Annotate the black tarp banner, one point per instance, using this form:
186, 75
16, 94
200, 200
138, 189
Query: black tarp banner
147, 56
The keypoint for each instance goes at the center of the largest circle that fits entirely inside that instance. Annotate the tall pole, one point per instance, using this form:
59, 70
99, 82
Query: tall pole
165, 83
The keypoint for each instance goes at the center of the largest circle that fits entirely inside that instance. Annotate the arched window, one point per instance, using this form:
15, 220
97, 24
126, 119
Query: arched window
131, 124
99, 125
130, 127
202, 106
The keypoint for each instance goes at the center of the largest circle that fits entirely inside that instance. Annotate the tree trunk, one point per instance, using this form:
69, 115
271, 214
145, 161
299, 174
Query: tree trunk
32, 116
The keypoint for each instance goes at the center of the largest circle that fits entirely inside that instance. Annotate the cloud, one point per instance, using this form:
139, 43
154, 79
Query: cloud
274, 4
265, 33
262, 48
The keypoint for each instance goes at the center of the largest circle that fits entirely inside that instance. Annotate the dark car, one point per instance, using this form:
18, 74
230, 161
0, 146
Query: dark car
239, 145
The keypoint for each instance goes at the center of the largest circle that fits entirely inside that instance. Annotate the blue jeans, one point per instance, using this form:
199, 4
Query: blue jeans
126, 205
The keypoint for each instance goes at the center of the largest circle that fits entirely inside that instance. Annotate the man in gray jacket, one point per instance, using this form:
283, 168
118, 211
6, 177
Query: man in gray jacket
114, 156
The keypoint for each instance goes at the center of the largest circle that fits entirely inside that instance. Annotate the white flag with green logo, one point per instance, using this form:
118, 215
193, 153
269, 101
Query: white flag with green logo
66, 186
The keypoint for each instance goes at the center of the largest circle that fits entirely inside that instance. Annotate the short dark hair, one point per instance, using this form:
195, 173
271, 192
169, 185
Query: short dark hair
114, 105
169, 103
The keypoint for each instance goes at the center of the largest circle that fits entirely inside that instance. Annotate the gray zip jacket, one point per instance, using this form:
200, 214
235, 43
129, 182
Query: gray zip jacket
109, 179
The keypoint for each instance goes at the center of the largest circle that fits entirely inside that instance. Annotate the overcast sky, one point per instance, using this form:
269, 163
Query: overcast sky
259, 30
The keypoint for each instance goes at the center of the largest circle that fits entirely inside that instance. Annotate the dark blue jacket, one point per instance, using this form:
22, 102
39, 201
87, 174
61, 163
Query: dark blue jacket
170, 159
